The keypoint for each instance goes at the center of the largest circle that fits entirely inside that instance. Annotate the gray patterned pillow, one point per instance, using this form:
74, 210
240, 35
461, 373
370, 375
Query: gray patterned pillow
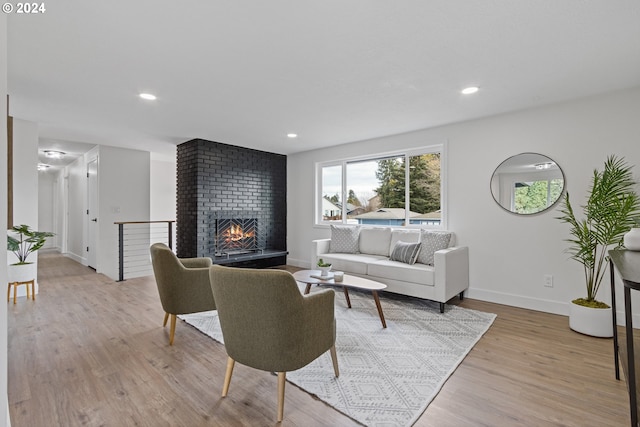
432, 241
344, 239
405, 252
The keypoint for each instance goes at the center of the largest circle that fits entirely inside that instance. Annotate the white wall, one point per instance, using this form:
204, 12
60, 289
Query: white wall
76, 177
46, 201
124, 188
59, 209
4, 412
25, 174
25, 184
163, 191
509, 254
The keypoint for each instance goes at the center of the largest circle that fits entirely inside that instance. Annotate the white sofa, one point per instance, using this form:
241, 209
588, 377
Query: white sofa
369, 258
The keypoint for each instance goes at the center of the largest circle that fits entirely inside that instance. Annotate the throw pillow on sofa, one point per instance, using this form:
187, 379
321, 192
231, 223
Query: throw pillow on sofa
405, 252
344, 239
375, 241
432, 241
407, 236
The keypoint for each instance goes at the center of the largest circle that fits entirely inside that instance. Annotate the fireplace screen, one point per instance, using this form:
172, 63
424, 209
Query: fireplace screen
236, 236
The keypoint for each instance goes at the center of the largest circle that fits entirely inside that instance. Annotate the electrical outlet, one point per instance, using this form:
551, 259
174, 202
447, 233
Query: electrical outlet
548, 280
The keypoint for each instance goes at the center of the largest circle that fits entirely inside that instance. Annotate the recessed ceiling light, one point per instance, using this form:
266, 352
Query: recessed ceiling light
292, 135
54, 154
148, 96
469, 90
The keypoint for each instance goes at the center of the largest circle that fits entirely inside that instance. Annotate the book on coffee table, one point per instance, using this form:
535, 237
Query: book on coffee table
317, 276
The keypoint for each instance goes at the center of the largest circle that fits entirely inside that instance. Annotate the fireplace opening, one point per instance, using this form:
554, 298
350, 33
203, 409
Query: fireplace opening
236, 236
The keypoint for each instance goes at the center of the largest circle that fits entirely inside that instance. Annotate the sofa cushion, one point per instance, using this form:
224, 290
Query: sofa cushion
344, 239
375, 241
405, 252
350, 263
415, 273
411, 236
432, 241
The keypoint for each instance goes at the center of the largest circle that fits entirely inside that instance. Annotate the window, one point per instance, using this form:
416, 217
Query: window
535, 196
332, 193
381, 190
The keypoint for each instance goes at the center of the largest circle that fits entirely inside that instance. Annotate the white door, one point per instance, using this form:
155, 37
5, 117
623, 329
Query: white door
92, 213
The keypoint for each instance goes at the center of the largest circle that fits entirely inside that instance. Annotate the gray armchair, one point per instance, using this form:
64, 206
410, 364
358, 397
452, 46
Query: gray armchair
183, 284
269, 325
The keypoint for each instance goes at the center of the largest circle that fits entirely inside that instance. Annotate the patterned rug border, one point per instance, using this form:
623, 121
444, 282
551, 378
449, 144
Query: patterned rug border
364, 315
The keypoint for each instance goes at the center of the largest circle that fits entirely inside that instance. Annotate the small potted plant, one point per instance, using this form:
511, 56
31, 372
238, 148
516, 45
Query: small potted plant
22, 244
324, 267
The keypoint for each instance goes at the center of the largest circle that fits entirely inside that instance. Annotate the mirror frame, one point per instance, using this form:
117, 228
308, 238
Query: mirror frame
531, 164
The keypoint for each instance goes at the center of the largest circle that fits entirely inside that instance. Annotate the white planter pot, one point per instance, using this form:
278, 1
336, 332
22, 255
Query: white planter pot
324, 271
22, 272
596, 322
632, 239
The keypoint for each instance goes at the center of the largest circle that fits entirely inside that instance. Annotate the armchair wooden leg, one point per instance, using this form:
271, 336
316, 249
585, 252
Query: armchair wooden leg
227, 376
166, 317
172, 332
334, 359
282, 379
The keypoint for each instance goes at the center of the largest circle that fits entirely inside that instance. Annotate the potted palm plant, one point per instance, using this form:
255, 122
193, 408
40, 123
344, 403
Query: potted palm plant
22, 244
611, 210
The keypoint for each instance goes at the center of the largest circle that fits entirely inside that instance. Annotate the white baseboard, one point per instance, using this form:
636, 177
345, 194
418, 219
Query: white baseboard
49, 250
76, 258
621, 322
537, 304
298, 263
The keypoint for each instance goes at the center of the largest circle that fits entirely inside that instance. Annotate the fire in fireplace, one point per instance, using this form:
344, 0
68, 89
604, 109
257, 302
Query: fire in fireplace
235, 233
236, 236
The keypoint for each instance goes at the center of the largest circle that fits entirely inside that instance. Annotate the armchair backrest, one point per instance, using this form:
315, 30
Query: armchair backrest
182, 290
266, 322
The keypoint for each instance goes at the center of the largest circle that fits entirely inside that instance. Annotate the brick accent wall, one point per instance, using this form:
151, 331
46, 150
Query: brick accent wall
216, 177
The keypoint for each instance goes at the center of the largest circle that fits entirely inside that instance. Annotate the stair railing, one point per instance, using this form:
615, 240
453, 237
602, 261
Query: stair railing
134, 239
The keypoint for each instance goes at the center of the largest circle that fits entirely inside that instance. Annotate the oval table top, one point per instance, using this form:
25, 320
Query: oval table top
308, 277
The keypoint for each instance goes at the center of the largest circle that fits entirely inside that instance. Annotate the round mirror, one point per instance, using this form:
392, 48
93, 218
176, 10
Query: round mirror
527, 183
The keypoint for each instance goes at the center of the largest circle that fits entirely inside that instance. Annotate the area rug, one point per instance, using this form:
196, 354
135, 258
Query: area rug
388, 376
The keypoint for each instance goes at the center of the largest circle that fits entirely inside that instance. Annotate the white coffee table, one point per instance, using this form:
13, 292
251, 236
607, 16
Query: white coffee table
349, 281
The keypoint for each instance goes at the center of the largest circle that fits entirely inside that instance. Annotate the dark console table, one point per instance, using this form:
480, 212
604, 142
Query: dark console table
627, 263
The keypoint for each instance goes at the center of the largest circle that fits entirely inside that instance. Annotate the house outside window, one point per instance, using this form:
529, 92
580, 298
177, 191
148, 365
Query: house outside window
380, 189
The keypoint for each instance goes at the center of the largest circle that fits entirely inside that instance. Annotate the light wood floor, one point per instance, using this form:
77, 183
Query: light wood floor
93, 352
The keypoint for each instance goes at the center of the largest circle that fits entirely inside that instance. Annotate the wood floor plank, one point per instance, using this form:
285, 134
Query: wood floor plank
92, 352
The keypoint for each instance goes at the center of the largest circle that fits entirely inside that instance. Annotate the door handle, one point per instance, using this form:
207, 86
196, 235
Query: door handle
95, 220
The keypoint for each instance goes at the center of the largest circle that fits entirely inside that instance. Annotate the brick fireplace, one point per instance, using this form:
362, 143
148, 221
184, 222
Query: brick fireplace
231, 204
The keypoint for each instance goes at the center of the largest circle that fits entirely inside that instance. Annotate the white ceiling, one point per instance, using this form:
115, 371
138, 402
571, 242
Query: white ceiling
248, 72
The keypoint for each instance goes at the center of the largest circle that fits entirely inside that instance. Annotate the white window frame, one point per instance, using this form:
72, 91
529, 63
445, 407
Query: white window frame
436, 148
